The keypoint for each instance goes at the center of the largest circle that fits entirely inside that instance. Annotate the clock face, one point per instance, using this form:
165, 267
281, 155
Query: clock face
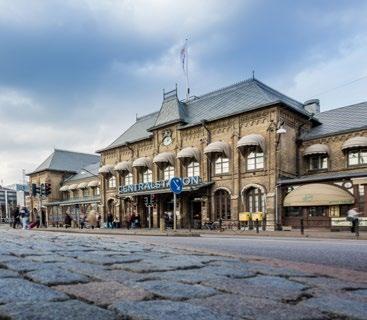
167, 141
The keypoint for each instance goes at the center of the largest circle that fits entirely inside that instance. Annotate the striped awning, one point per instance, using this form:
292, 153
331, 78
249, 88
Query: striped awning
252, 140
73, 187
123, 166
165, 157
82, 185
144, 162
189, 153
64, 188
318, 194
94, 183
355, 142
106, 169
218, 147
316, 149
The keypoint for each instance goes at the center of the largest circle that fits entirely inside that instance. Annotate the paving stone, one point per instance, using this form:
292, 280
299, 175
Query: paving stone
236, 272
177, 291
107, 260
66, 310
165, 310
339, 306
13, 290
105, 293
186, 276
22, 265
269, 287
48, 258
240, 307
328, 283
274, 271
5, 273
7, 257
55, 275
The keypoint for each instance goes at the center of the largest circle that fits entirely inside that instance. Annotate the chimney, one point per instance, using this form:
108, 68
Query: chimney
312, 106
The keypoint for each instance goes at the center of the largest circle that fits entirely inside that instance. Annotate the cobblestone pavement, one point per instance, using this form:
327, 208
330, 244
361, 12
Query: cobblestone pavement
70, 276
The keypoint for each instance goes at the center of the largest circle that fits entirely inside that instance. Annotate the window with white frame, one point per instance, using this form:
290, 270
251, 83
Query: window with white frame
317, 162
255, 159
112, 182
193, 169
128, 179
357, 157
168, 172
97, 191
147, 176
221, 165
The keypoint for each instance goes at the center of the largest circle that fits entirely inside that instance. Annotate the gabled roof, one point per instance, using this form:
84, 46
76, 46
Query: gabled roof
138, 131
86, 172
237, 98
67, 161
344, 119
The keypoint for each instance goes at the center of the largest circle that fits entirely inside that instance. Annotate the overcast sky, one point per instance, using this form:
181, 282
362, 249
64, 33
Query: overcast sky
74, 73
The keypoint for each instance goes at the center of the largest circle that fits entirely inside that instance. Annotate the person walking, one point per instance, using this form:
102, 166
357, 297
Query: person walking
16, 219
109, 220
352, 216
24, 213
92, 219
67, 221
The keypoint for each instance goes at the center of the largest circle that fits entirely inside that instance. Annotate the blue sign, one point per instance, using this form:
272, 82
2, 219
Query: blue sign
176, 185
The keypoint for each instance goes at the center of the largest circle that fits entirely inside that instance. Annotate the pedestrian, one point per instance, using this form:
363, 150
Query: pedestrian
99, 219
109, 220
352, 216
82, 222
116, 222
43, 216
16, 217
24, 214
92, 219
67, 220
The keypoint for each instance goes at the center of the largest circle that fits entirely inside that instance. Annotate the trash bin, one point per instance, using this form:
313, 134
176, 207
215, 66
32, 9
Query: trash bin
162, 224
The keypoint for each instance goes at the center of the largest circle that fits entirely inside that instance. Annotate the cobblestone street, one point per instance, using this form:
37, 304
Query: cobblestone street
70, 276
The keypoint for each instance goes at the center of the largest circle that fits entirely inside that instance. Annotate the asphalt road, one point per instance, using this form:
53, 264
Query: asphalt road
349, 254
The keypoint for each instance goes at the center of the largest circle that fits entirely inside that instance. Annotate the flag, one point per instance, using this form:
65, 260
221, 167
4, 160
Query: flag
183, 56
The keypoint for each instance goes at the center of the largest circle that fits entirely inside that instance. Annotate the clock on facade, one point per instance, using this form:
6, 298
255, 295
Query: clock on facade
167, 140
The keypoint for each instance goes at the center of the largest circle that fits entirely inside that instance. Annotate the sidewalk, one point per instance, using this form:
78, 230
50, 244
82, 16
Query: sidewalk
310, 233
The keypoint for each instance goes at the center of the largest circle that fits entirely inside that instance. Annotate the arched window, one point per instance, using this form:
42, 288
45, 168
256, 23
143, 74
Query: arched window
255, 159
112, 182
147, 176
168, 172
193, 169
222, 204
255, 200
128, 179
221, 165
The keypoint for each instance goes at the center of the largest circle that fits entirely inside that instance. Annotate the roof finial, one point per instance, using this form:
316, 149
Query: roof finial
253, 74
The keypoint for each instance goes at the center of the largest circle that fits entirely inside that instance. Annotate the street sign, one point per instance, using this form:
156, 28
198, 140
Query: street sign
176, 185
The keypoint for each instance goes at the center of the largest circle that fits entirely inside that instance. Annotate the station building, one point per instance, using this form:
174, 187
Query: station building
243, 150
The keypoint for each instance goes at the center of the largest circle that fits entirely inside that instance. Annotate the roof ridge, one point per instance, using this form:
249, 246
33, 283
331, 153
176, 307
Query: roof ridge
76, 152
217, 91
146, 115
348, 106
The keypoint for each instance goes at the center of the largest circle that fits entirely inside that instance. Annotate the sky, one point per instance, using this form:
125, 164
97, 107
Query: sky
75, 73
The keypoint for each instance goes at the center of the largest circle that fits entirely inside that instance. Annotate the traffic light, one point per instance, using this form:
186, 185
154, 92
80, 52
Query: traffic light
47, 189
35, 190
43, 189
146, 201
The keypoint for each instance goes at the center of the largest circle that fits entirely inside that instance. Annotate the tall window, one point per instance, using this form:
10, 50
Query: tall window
147, 176
193, 169
221, 165
97, 192
255, 200
128, 179
357, 157
255, 159
222, 204
168, 172
317, 162
112, 182
85, 192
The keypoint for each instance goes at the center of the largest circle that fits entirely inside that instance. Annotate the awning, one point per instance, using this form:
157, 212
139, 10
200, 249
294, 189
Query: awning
355, 142
252, 140
82, 185
316, 149
123, 166
94, 183
73, 187
218, 147
318, 194
143, 162
64, 188
106, 169
189, 153
165, 157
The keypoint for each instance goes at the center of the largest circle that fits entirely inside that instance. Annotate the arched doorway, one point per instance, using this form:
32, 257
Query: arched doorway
111, 207
222, 205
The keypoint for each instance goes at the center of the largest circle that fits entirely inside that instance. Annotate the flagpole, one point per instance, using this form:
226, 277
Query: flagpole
187, 72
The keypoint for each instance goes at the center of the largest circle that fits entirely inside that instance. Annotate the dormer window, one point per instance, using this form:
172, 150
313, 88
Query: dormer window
357, 157
318, 162
317, 156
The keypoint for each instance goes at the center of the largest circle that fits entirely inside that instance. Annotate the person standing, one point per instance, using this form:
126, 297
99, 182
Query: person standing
109, 220
16, 219
352, 216
92, 219
24, 213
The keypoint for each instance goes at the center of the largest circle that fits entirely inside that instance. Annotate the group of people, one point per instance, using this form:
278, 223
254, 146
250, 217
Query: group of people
113, 221
21, 218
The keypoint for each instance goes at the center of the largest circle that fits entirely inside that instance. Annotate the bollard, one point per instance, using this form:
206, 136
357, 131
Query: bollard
302, 227
257, 225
